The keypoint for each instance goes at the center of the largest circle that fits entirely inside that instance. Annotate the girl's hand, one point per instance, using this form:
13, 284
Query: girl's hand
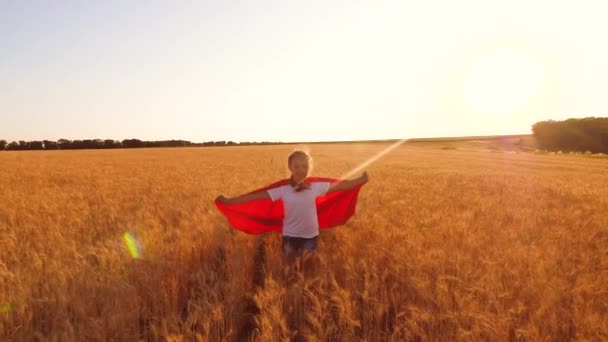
365, 176
222, 199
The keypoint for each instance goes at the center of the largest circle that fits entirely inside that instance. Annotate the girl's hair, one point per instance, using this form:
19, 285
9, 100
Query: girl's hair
298, 153
295, 154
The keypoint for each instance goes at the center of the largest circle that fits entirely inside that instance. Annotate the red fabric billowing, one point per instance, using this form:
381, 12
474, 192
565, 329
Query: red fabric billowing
261, 216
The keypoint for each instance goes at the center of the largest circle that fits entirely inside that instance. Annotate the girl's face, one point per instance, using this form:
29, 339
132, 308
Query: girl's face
299, 168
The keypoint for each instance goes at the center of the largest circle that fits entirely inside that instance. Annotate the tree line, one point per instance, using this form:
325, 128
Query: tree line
65, 144
585, 134
573, 135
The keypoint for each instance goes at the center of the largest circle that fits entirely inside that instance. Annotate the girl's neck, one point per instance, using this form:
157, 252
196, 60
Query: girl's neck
293, 181
299, 186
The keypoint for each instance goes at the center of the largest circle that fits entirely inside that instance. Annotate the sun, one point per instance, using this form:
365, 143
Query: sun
502, 82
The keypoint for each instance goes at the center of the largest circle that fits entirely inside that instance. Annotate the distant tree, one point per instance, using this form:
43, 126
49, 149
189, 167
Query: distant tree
180, 143
13, 146
92, 144
50, 145
36, 145
77, 144
109, 143
586, 134
24, 145
167, 143
151, 143
64, 144
132, 143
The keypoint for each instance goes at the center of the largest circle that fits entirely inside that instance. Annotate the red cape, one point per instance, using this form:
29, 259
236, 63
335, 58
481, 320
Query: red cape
262, 216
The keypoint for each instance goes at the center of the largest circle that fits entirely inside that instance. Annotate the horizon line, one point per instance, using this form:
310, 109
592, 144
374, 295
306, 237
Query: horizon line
418, 139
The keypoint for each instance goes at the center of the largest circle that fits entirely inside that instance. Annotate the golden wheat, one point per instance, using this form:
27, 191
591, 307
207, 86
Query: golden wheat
446, 245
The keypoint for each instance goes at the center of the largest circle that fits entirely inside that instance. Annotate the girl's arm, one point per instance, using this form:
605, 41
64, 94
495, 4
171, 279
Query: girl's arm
349, 184
244, 198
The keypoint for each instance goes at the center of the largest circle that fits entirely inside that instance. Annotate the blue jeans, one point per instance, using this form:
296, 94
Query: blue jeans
293, 246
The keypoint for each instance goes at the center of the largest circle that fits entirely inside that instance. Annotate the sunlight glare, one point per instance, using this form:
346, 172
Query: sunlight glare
501, 82
372, 159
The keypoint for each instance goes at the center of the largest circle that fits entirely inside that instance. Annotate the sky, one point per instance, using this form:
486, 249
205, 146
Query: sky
297, 70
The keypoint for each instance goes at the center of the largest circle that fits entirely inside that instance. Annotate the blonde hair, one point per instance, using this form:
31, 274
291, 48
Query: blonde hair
298, 153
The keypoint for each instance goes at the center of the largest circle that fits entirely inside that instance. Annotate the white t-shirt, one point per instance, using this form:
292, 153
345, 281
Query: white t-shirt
300, 208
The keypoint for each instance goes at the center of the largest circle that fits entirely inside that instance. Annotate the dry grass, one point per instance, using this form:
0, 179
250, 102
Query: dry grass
446, 245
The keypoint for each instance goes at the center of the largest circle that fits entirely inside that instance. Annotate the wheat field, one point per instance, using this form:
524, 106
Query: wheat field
446, 245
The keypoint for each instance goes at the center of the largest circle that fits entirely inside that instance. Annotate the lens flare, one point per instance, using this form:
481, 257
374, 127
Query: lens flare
373, 159
5, 308
132, 245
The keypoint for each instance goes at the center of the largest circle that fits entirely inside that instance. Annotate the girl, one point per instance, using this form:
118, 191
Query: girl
300, 223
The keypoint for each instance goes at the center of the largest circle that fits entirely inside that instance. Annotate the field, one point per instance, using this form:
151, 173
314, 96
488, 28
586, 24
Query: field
450, 242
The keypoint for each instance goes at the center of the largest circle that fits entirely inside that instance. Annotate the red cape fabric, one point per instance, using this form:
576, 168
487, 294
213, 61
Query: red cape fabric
262, 216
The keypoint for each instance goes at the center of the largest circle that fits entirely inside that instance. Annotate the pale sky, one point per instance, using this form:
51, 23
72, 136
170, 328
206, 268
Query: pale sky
297, 70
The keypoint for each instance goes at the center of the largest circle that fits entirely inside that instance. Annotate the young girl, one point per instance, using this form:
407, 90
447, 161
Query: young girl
300, 223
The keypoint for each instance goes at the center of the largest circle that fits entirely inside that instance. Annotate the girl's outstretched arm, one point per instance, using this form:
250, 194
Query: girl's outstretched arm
349, 184
244, 198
